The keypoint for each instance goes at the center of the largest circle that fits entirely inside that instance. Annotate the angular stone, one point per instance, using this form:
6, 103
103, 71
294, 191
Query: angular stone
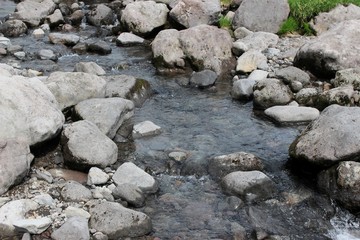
291, 74
55, 19
101, 15
74, 228
251, 60
64, 38
243, 89
75, 192
97, 177
258, 41
129, 39
292, 114
33, 226
76, 212
145, 129
89, 67
349, 76
130, 193
33, 11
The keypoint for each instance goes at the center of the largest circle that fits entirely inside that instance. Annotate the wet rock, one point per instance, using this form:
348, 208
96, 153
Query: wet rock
64, 38
75, 192
349, 76
336, 124
89, 67
307, 96
129, 39
271, 92
76, 212
178, 156
85, 146
107, 113
251, 60
324, 21
38, 33
13, 28
74, 228
261, 16
191, 13
144, 17
97, 177
129, 173
15, 160
257, 41
76, 17
243, 89
339, 95
71, 88
331, 51
68, 174
204, 78
250, 185
240, 161
4, 42
46, 54
101, 15
20, 55
100, 47
33, 226
145, 129
292, 114
55, 19
29, 111
32, 11
117, 221
291, 74
130, 193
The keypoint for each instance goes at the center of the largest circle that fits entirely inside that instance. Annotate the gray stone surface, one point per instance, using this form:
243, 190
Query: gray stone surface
75, 192
96, 176
13, 28
257, 41
76, 212
85, 146
290, 74
292, 114
101, 15
203, 78
339, 95
46, 54
75, 228
130, 193
250, 61
64, 38
307, 96
33, 226
145, 129
349, 76
129, 39
33, 11
243, 89
89, 67
55, 19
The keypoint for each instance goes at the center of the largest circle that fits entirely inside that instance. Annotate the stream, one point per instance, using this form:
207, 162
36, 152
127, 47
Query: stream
204, 123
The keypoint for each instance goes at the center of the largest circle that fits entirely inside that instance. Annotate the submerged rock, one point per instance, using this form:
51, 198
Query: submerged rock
204, 78
145, 129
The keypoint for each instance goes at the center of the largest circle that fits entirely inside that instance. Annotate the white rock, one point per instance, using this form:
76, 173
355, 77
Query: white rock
144, 129
4, 42
102, 193
292, 114
76, 212
126, 38
251, 60
257, 75
20, 55
33, 226
97, 177
75, 228
38, 33
44, 200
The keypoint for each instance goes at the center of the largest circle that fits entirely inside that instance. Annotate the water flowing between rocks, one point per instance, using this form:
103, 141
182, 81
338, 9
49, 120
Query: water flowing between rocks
204, 124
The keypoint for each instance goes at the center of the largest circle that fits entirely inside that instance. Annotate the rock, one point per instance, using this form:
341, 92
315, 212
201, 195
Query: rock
204, 78
222, 165
291, 74
38, 33
191, 13
15, 160
143, 17
243, 89
76, 17
307, 96
100, 236
324, 21
13, 28
75, 192
85, 146
292, 114
76, 212
102, 193
257, 75
257, 41
340, 95
271, 92
71, 88
20, 55
349, 76
129, 39
68, 174
89, 67
4, 200
296, 86
44, 175
46, 54
336, 125
44, 200
331, 51
55, 19
33, 226
107, 113
64, 38
101, 15
117, 221
4, 42
100, 47
130, 193
28, 110
251, 60
74, 228
145, 129
97, 177
250, 185
241, 32
33, 11
129, 173
258, 15
178, 156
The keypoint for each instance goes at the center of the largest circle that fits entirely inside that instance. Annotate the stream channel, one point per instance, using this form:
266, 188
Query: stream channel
204, 123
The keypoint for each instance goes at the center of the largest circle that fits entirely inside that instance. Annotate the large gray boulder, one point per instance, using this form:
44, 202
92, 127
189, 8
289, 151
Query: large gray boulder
28, 110
331, 138
117, 222
33, 11
15, 160
107, 113
292, 114
13, 28
101, 15
85, 146
191, 13
70, 88
143, 17
258, 15
75, 228
332, 51
349, 76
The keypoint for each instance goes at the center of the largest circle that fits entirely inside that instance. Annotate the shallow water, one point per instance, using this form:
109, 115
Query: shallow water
6, 7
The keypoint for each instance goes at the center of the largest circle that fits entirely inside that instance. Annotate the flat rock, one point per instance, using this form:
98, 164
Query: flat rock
257, 41
129, 39
33, 11
96, 176
75, 192
250, 61
74, 228
76, 212
33, 226
130, 193
89, 67
292, 114
291, 74
99, 47
64, 38
145, 129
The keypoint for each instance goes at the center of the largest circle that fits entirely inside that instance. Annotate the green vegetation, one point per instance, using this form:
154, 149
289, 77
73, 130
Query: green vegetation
224, 22
225, 3
302, 11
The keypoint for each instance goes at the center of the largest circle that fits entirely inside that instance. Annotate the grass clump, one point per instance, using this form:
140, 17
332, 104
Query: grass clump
224, 22
302, 11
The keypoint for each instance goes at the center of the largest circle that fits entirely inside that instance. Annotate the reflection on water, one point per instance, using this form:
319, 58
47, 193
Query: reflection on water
6, 7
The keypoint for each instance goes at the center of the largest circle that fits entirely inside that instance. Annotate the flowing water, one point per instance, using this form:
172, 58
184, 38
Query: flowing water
204, 123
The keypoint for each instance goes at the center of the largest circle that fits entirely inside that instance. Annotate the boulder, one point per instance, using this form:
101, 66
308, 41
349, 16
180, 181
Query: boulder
64, 38
33, 226
329, 139
28, 110
143, 17
32, 12
307, 96
129, 173
241, 32
243, 89
292, 114
99, 47
130, 193
46, 54
257, 75
74, 228
145, 129
326, 20
85, 146
117, 222
349, 76
292, 74
203, 78
13, 28
101, 15
340, 95
271, 92
70, 88
129, 39
15, 160
96, 176
55, 19
75, 192
107, 113
331, 51
89, 67
258, 15
191, 13
250, 61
